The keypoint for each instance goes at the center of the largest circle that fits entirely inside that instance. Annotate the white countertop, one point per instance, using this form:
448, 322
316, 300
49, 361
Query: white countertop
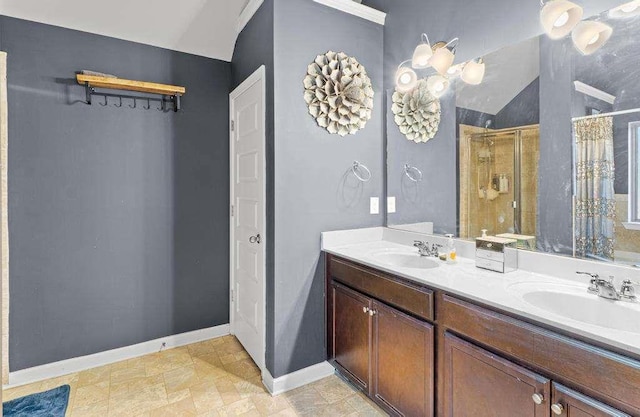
486, 287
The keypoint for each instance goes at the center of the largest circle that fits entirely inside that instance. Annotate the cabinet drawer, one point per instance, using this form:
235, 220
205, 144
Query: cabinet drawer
490, 255
572, 403
611, 377
404, 296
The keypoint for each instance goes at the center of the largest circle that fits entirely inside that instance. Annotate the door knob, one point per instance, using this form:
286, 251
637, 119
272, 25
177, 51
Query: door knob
537, 398
255, 239
372, 312
557, 409
365, 310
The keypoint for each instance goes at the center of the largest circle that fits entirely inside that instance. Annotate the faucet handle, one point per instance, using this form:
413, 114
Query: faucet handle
628, 290
594, 283
591, 274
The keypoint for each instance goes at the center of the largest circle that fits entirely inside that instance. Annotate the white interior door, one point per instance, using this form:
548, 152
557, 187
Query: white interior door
247, 111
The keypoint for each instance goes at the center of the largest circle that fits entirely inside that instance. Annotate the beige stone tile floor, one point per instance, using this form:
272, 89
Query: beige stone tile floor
211, 378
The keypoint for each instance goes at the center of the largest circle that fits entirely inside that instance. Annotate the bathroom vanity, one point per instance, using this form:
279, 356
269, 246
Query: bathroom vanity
453, 340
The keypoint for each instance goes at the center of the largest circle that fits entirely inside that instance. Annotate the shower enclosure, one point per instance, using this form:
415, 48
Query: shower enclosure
499, 181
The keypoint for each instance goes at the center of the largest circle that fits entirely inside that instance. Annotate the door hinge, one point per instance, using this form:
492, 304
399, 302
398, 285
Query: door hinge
233, 298
233, 125
233, 210
514, 204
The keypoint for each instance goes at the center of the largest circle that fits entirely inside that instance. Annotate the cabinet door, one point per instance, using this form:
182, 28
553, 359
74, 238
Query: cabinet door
402, 362
480, 384
569, 403
352, 333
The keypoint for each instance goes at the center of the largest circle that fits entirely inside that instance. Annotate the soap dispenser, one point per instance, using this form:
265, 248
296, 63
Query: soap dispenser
451, 250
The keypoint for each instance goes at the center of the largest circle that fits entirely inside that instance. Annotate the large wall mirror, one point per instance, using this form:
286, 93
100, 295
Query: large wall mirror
545, 150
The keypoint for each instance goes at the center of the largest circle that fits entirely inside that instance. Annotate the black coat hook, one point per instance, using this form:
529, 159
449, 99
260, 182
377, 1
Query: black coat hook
148, 106
135, 104
161, 108
106, 101
119, 105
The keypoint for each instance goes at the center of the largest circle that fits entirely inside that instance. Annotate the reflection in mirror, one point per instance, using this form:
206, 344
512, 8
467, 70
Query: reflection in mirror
545, 150
606, 117
498, 144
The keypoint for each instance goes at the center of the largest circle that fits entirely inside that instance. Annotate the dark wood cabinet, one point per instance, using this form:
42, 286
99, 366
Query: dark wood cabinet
387, 353
382, 332
402, 375
480, 384
352, 334
569, 403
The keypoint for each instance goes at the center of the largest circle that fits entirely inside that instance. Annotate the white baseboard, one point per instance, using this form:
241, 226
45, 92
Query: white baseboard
68, 366
296, 379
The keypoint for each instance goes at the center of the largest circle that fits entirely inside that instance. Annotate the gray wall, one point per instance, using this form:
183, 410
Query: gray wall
472, 118
485, 26
117, 216
614, 69
555, 171
313, 193
523, 110
254, 48
426, 200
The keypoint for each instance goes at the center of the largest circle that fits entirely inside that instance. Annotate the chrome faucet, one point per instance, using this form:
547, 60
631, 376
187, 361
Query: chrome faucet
425, 250
604, 288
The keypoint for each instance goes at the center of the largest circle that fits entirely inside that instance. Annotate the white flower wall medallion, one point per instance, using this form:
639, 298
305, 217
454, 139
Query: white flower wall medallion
338, 92
417, 113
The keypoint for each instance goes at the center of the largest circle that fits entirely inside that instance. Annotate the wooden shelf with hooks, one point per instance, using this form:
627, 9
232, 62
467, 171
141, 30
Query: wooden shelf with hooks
130, 85
91, 82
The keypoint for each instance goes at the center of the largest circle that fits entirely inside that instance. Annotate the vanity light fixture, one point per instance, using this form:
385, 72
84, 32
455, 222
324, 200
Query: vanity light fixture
473, 72
437, 85
443, 56
455, 70
422, 54
406, 78
630, 9
440, 57
590, 36
559, 17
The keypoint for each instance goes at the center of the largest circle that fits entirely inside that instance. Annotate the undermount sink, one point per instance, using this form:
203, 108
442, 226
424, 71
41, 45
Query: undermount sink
405, 260
575, 303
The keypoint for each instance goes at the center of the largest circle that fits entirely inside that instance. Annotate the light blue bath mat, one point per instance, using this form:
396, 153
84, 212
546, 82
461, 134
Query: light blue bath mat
52, 403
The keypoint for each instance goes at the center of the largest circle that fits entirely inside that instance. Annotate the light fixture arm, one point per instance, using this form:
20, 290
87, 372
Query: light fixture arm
425, 39
452, 44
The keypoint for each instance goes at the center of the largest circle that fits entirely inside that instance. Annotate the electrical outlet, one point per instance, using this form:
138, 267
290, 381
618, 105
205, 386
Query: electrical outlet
374, 205
391, 204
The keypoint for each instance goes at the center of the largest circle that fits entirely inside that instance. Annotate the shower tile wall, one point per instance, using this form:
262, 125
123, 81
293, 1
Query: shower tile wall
469, 201
503, 213
529, 180
497, 216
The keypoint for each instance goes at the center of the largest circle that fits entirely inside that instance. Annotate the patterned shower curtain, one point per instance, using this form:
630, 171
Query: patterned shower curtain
595, 210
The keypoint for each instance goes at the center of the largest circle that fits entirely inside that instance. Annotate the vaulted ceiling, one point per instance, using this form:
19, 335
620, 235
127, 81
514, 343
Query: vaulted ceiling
509, 71
202, 27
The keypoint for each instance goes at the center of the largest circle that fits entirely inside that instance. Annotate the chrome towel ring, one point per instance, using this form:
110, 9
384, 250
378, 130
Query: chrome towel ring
413, 173
357, 167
